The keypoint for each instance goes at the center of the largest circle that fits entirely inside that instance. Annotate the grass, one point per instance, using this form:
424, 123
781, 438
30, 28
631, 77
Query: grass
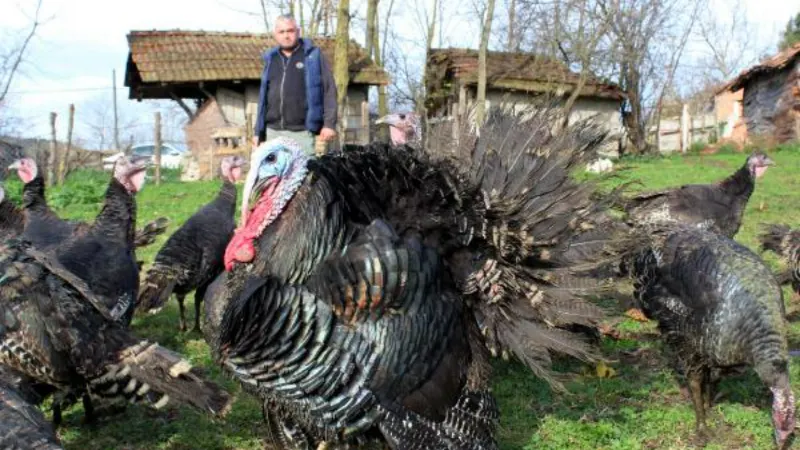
640, 408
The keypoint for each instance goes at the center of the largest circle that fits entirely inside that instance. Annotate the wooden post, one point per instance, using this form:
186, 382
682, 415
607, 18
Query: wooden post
365, 123
685, 125
248, 133
63, 162
157, 149
52, 157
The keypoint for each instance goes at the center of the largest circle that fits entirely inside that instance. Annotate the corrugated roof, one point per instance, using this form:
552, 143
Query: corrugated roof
772, 64
185, 56
520, 71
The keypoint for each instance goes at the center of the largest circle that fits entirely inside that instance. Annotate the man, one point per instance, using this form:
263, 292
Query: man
298, 93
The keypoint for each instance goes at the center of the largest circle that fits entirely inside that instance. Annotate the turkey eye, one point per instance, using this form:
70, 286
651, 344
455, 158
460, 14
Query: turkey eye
402, 117
271, 158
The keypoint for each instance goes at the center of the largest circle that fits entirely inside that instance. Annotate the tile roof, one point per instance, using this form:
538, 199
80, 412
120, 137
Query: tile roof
185, 56
772, 64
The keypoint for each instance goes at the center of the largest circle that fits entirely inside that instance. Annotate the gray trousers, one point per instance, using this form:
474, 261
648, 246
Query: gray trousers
304, 138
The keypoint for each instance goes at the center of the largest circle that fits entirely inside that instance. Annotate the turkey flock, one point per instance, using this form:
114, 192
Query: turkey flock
362, 295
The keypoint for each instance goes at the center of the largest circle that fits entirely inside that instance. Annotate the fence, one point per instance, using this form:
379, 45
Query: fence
679, 133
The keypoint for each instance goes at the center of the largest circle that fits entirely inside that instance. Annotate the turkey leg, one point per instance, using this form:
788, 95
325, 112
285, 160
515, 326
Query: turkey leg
198, 302
697, 383
182, 311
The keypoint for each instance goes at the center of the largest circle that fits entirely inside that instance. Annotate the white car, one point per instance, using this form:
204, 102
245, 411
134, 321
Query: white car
171, 155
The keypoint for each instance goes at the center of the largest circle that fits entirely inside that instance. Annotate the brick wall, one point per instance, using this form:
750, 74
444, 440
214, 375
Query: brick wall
199, 130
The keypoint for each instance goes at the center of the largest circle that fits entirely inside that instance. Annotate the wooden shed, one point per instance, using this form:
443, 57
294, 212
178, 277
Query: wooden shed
771, 98
517, 77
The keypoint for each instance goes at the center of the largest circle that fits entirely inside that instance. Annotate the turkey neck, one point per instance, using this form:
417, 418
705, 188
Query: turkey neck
226, 198
117, 219
310, 228
740, 185
33, 198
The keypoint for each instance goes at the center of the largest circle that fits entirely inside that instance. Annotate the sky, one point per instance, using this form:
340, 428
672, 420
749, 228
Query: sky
82, 41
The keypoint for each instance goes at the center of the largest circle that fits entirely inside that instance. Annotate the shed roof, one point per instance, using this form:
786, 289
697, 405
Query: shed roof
512, 71
164, 57
772, 64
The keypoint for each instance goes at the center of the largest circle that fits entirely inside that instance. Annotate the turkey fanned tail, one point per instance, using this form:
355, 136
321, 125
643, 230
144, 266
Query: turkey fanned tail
156, 288
540, 234
148, 233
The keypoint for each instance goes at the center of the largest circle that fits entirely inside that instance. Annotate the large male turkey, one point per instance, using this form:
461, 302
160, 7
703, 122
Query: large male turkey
717, 306
363, 289
45, 229
56, 330
784, 242
192, 257
719, 206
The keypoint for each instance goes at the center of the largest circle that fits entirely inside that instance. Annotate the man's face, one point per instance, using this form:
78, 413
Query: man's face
286, 33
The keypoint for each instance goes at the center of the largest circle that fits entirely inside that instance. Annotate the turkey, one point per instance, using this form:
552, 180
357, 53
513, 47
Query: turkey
22, 424
192, 257
45, 229
55, 330
12, 220
719, 206
718, 307
102, 254
404, 128
784, 242
362, 290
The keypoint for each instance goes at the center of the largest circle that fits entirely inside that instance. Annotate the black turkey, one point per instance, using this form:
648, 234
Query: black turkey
45, 229
57, 330
363, 289
192, 256
718, 307
719, 206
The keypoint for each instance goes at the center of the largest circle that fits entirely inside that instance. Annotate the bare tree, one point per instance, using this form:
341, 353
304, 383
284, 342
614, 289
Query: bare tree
480, 97
646, 45
729, 42
12, 58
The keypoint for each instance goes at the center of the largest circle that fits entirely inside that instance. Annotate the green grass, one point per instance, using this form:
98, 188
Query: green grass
640, 408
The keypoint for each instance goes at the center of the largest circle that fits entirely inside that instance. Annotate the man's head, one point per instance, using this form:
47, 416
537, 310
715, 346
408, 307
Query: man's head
286, 32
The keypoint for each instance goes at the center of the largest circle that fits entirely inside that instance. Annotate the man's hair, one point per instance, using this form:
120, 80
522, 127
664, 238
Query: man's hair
286, 18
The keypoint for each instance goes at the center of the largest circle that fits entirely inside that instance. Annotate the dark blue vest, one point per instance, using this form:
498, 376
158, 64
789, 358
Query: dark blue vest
314, 94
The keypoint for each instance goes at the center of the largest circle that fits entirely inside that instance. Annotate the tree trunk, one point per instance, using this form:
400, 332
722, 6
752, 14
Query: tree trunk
383, 106
52, 158
480, 99
341, 71
420, 102
372, 22
63, 162
511, 45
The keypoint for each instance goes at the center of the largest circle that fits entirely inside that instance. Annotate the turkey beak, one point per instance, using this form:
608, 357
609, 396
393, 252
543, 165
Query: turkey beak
768, 161
258, 187
15, 165
386, 120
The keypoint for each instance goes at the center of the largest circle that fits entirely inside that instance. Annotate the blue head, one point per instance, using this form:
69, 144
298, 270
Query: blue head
277, 169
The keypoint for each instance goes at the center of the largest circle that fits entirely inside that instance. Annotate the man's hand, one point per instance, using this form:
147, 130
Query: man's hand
255, 141
326, 134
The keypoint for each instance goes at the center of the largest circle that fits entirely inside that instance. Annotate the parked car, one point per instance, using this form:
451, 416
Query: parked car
171, 155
